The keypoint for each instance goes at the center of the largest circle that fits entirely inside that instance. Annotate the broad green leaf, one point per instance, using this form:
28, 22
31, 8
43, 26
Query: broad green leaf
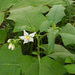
28, 18
24, 3
58, 2
45, 26
47, 66
68, 34
8, 60
2, 36
1, 17
51, 39
5, 4
57, 48
70, 68
56, 13
61, 56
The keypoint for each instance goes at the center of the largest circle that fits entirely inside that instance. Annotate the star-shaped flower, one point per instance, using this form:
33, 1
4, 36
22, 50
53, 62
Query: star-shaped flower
27, 37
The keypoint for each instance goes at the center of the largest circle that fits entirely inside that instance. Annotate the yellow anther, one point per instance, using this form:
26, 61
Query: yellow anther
28, 37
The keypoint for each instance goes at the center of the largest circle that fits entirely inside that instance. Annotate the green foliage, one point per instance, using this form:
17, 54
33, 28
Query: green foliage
41, 17
2, 36
25, 3
69, 60
8, 61
68, 34
5, 4
25, 18
57, 2
1, 17
70, 68
51, 39
45, 26
53, 15
47, 66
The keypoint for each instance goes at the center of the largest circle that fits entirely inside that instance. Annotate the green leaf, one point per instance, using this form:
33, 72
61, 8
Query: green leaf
28, 18
47, 66
70, 68
24, 3
68, 34
60, 54
51, 39
2, 36
56, 13
69, 60
8, 60
1, 17
45, 48
5, 4
58, 2
57, 48
45, 26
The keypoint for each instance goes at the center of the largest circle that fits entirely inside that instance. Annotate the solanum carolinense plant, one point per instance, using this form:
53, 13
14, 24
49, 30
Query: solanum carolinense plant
28, 32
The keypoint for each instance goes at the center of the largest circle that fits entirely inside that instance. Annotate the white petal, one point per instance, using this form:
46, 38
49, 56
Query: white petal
32, 34
25, 33
31, 40
13, 47
10, 46
25, 41
22, 37
9, 41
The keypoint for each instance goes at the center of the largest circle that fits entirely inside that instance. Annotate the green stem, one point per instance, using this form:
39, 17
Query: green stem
38, 49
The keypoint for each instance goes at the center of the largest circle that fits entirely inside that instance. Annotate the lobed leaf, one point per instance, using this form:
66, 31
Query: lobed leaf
28, 18
47, 66
56, 13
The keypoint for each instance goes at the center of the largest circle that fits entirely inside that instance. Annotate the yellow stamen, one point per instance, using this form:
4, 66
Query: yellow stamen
28, 37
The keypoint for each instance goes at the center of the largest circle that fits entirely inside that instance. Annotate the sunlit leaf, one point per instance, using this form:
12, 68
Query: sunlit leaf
28, 18
5, 4
24, 3
56, 13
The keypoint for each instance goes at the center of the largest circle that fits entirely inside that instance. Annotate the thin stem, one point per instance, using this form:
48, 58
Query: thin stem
38, 49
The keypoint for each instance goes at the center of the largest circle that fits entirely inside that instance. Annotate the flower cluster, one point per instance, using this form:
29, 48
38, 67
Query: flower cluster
11, 45
27, 38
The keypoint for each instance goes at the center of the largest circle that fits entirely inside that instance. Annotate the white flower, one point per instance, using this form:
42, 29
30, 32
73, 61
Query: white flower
27, 38
11, 46
9, 41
